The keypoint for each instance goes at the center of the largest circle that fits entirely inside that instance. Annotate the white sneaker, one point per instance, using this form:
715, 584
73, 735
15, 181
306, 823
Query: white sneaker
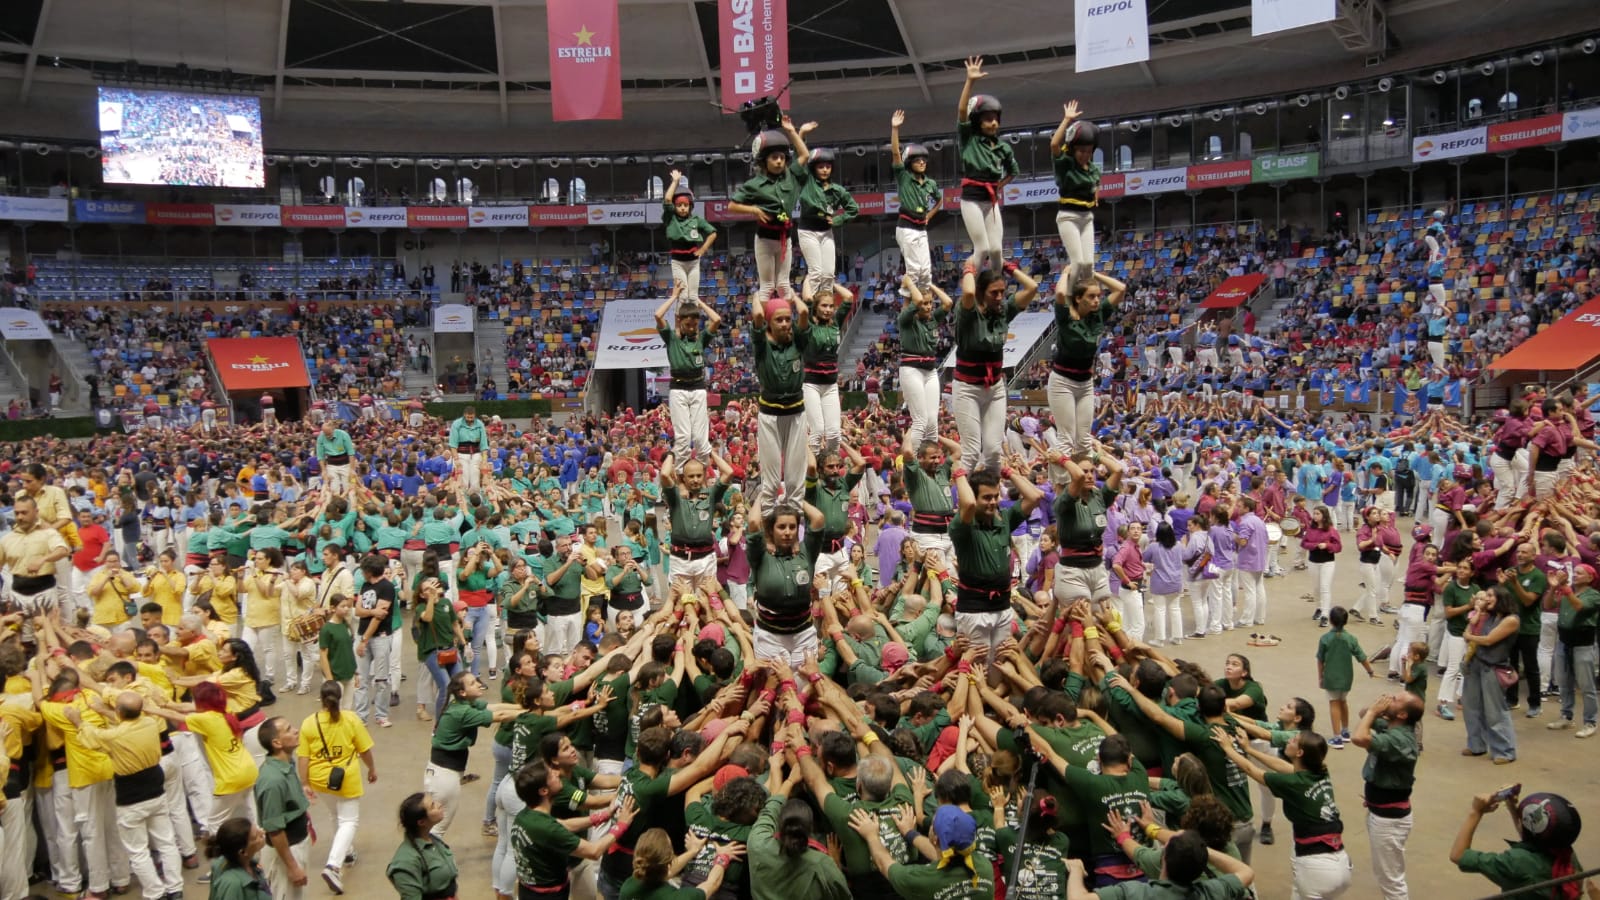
1586, 731
1560, 725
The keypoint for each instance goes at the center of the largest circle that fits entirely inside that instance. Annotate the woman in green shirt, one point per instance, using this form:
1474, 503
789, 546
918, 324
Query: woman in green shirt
1043, 871
438, 631
422, 868
1320, 866
235, 874
654, 863
453, 737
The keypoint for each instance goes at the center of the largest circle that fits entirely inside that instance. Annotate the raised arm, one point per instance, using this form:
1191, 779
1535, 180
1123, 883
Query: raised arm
1114, 289
974, 72
1058, 140
895, 121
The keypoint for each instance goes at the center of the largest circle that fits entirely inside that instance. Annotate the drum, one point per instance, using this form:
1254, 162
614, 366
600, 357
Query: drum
1274, 532
1290, 526
305, 628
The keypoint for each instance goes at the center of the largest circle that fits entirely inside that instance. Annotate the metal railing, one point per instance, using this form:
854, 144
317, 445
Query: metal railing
16, 373
1542, 888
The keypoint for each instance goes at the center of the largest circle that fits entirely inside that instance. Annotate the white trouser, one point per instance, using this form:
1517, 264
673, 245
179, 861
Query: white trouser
471, 470
94, 808
817, 249
503, 870
208, 419
773, 262
16, 833
198, 784
792, 647
561, 633
268, 645
240, 804
1436, 348
306, 661
1320, 876
738, 595
336, 478
397, 646
277, 872
1252, 598
1451, 654
1510, 481
79, 590
445, 786
54, 805
1219, 602
1547, 646
1176, 352
1544, 484
693, 574
691, 425
143, 826
827, 574
985, 230
1072, 405
346, 819
172, 803
919, 388
913, 243
410, 564
980, 414
687, 273
1076, 227
1130, 605
1152, 359
1166, 618
822, 415
1322, 577
939, 542
1344, 515
781, 447
1386, 841
986, 630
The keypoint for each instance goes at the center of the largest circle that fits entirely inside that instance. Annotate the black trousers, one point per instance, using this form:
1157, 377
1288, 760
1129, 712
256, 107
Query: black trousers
1526, 649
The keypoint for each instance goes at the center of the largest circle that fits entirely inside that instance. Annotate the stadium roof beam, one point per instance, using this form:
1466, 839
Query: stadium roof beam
1362, 27
500, 64
705, 58
33, 52
283, 54
911, 51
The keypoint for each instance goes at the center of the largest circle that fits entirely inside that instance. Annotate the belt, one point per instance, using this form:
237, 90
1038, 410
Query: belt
989, 186
688, 552
468, 448
832, 544
689, 384
389, 553
340, 459
685, 254
1072, 372
914, 224
1319, 843
985, 373
920, 362
1074, 201
779, 408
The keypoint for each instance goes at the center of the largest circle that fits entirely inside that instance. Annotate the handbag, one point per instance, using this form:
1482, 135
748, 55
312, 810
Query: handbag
1506, 675
448, 656
336, 773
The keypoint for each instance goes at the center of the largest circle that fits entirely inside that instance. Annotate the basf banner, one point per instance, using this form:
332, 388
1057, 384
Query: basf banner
109, 212
1580, 123
1450, 145
1157, 181
1524, 133
1268, 16
1025, 331
1279, 166
33, 209
497, 217
238, 215
1110, 33
629, 339
754, 42
454, 318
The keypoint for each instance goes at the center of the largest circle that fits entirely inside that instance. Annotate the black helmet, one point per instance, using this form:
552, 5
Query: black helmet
979, 104
821, 155
913, 151
769, 142
1082, 132
681, 189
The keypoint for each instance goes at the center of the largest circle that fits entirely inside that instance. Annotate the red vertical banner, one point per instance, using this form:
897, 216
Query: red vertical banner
755, 49
585, 59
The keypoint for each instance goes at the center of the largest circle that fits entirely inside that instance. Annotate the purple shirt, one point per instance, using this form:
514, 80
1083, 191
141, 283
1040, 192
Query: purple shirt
1253, 555
1166, 568
888, 552
1224, 551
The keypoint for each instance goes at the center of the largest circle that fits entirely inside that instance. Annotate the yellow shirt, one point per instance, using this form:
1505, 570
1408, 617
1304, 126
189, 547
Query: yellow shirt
109, 598
53, 505
167, 588
18, 710
591, 586
296, 599
224, 596
219, 631
153, 683
22, 549
261, 600
133, 745
232, 767
240, 689
202, 659
85, 766
347, 739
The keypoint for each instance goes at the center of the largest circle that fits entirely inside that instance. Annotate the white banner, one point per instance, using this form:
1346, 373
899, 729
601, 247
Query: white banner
454, 318
1580, 123
1044, 191
375, 216
1267, 16
497, 217
34, 209
628, 337
624, 213
248, 216
1025, 331
17, 324
1110, 33
1156, 181
1450, 144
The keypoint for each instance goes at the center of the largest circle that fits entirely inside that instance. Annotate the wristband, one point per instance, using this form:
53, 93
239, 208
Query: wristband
1123, 837
1010, 266
1078, 631
796, 717
1115, 651
618, 829
958, 473
1005, 472
716, 603
1113, 626
779, 747
1059, 626
836, 636
788, 685
596, 819
769, 695
1091, 633
949, 653
803, 751
912, 835
814, 677
855, 582
964, 667
1152, 830
870, 738
722, 860
678, 647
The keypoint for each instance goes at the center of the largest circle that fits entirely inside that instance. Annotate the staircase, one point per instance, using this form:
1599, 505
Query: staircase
76, 355
867, 332
492, 352
10, 390
417, 382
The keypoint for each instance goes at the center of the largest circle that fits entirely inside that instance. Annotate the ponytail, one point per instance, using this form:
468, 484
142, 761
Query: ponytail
330, 695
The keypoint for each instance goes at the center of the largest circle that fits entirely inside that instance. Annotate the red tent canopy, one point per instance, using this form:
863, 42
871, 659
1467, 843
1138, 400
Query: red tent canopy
1564, 345
1234, 291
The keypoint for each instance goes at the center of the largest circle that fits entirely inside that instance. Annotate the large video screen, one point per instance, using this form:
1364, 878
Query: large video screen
162, 137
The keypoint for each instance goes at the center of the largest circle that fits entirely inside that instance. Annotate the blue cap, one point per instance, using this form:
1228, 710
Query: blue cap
954, 828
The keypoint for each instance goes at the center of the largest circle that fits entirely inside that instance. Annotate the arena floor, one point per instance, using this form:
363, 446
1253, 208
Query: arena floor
1547, 761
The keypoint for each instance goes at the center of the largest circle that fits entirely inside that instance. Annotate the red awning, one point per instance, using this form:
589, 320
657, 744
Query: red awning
1566, 344
256, 364
1234, 291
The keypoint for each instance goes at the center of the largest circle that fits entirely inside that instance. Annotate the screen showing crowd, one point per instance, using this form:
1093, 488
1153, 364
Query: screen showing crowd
198, 140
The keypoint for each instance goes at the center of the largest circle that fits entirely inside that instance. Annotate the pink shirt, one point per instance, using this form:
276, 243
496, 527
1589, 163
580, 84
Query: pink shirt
1131, 560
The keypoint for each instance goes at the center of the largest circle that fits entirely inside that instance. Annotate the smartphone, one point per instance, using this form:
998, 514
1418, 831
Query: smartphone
1507, 793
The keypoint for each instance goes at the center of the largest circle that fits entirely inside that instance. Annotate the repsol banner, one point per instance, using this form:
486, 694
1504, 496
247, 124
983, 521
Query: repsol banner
628, 337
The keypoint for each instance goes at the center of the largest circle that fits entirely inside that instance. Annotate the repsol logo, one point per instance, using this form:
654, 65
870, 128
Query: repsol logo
258, 215
1165, 180
1461, 143
1110, 8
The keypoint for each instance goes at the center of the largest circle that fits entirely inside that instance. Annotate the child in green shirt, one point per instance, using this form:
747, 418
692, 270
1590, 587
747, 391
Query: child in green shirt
1336, 654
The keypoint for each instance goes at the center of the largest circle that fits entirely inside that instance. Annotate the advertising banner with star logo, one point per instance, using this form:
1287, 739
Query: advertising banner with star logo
256, 364
585, 60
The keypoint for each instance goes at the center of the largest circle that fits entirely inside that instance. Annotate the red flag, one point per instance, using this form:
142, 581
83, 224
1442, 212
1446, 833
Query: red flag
755, 49
585, 59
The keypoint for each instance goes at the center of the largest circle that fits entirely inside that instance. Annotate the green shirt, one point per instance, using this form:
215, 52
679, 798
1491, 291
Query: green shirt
421, 866
685, 232
825, 205
1043, 875
1228, 781
1391, 763
458, 726
231, 882
781, 585
775, 195
929, 493
1081, 524
650, 795
920, 197
542, 847
981, 335
338, 445
717, 833
1228, 887
774, 876
463, 433
953, 882
834, 502
1307, 801
1457, 595
634, 889
280, 802
338, 647
1075, 182
983, 554
1519, 865
1580, 615
1078, 338
984, 158
692, 519
919, 337
819, 345
686, 357
441, 632
1338, 651
527, 730
1103, 793
780, 372
1257, 709
857, 858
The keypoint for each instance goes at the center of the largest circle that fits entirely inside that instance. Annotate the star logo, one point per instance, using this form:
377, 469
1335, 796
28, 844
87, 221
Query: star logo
584, 36
258, 359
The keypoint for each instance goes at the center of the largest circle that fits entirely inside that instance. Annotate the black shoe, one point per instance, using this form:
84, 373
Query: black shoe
1265, 837
394, 700
264, 690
